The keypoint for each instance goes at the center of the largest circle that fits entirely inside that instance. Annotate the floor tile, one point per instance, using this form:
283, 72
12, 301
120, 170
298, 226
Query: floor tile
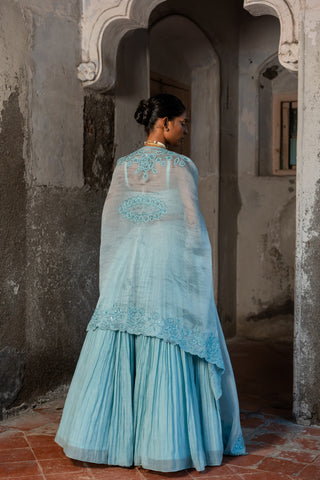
61, 465
212, 472
41, 440
11, 439
245, 460
233, 476
47, 429
302, 457
18, 469
152, 475
263, 450
16, 455
271, 438
30, 421
278, 465
310, 443
48, 452
312, 431
311, 472
278, 427
241, 470
29, 477
266, 476
104, 472
69, 476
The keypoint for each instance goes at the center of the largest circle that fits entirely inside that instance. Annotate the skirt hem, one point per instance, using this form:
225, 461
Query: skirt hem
77, 454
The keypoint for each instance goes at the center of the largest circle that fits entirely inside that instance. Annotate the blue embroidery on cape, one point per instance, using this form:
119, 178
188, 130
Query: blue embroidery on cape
138, 322
143, 208
237, 447
147, 160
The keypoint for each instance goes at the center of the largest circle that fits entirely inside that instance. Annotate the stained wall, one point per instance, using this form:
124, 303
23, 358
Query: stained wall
50, 205
266, 221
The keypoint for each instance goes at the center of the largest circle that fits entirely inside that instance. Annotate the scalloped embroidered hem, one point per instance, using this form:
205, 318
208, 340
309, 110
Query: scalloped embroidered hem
136, 321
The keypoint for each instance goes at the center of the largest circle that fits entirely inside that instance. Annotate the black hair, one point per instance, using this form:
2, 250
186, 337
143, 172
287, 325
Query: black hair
158, 106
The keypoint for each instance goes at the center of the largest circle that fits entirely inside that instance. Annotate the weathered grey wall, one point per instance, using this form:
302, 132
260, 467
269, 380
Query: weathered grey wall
307, 326
98, 139
266, 222
50, 203
221, 27
13, 194
63, 228
56, 95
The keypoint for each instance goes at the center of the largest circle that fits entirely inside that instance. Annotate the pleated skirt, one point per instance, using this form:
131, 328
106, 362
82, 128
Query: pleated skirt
137, 400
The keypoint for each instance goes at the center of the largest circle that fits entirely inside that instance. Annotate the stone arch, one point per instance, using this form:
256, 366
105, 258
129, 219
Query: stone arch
103, 24
287, 12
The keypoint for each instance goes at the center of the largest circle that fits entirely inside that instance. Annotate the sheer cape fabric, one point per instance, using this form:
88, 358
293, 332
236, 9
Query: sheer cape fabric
156, 271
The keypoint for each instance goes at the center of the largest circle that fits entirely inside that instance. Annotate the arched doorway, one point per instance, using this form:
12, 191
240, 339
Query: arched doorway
181, 55
222, 28
175, 49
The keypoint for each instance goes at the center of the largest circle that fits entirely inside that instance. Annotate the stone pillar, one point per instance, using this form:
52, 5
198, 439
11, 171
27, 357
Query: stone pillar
307, 302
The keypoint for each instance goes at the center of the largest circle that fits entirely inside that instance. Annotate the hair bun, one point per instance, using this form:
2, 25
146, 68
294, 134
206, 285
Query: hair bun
143, 112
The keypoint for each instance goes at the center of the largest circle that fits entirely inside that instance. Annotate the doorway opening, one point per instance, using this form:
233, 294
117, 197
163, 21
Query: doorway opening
161, 84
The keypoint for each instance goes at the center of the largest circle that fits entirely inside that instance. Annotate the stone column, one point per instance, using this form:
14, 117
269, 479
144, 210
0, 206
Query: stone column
307, 302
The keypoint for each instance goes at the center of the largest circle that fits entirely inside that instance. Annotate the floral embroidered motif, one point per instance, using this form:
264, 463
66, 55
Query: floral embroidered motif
237, 447
143, 208
138, 322
148, 159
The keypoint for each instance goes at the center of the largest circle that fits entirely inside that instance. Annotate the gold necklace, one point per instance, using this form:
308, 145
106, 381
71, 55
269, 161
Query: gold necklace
155, 144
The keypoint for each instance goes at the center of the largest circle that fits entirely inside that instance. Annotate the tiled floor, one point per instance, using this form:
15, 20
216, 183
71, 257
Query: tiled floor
278, 448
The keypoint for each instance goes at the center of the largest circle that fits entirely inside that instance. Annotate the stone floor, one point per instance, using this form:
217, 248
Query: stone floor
278, 449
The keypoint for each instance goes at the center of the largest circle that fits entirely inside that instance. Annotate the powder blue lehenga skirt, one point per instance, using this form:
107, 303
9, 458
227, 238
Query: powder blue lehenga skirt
139, 400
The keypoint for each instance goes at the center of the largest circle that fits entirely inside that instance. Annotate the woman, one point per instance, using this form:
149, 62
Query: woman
154, 385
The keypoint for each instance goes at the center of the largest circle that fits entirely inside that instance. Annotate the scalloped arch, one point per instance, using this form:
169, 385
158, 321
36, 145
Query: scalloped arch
103, 24
287, 11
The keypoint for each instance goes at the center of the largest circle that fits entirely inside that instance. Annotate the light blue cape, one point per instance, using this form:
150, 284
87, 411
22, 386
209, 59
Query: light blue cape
156, 268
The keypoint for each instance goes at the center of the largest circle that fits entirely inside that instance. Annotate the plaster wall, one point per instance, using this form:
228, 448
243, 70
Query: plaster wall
50, 211
14, 38
266, 221
56, 96
307, 293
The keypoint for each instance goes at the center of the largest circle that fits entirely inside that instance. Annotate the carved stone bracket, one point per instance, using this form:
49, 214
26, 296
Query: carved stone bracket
287, 11
103, 24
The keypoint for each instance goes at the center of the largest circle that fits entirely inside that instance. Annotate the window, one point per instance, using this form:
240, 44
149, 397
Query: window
285, 115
